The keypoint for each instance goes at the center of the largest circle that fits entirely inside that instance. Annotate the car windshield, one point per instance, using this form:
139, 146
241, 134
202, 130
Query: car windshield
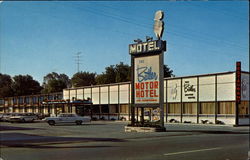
62, 115
29, 114
67, 115
16, 114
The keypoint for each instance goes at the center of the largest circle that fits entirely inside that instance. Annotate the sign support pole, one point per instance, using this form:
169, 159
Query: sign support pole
237, 91
161, 66
132, 93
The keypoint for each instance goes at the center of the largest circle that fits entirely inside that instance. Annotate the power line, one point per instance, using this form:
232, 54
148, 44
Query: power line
179, 31
201, 37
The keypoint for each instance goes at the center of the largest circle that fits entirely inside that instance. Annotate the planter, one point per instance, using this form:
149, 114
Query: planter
144, 129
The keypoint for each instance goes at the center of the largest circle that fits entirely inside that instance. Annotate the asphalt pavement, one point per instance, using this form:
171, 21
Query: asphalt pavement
107, 140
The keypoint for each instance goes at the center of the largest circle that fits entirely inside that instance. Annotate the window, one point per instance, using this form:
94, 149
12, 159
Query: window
95, 109
59, 96
41, 98
165, 108
26, 100
189, 108
105, 109
207, 108
244, 108
226, 108
34, 99
20, 100
1, 101
124, 108
15, 100
113, 109
50, 97
61, 115
174, 108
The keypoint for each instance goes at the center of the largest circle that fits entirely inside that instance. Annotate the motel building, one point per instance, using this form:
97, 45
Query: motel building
204, 99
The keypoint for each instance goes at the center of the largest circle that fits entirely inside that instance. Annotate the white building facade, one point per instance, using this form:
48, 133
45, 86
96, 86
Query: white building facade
209, 98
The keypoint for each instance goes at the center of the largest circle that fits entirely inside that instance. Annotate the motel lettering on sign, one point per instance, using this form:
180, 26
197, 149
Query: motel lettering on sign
147, 47
147, 89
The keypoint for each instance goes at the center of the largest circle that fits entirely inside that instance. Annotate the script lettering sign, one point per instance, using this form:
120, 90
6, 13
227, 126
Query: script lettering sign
146, 72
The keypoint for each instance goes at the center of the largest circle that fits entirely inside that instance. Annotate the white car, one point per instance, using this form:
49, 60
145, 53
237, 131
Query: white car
23, 117
67, 118
6, 116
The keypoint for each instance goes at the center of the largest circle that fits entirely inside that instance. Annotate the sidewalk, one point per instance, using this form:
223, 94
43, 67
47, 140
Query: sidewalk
209, 128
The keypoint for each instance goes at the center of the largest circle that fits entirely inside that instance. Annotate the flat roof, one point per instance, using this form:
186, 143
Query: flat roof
167, 78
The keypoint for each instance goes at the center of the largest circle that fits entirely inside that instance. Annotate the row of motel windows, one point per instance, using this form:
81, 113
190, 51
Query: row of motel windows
30, 99
188, 108
207, 108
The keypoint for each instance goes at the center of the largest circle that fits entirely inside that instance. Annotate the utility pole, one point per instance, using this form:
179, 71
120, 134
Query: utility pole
78, 61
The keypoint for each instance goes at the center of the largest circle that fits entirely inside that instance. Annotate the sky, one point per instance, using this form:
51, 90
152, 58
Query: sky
37, 38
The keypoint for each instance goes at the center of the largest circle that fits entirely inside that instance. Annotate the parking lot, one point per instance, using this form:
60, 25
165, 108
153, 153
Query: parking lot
107, 140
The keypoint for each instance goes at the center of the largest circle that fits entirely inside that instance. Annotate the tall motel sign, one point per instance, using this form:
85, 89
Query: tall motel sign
147, 61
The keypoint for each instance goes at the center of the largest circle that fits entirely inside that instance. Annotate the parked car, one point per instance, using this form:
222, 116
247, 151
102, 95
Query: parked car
67, 118
1, 116
23, 117
40, 116
6, 116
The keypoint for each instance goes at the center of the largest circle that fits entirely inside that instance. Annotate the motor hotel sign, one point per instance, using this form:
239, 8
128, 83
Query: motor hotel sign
146, 79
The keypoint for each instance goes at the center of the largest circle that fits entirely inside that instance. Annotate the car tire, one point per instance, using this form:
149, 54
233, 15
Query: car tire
23, 120
52, 123
78, 122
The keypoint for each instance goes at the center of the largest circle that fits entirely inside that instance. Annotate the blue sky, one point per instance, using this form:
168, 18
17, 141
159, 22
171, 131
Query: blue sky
37, 38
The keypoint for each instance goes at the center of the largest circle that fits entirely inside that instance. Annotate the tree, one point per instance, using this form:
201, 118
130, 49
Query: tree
114, 74
83, 79
25, 85
167, 71
101, 79
108, 76
123, 72
54, 82
5, 86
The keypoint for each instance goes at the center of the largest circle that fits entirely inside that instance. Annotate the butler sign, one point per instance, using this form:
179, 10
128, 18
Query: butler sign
146, 82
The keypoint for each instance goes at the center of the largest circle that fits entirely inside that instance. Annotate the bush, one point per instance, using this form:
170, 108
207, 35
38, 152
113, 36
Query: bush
173, 121
204, 121
102, 118
123, 119
219, 122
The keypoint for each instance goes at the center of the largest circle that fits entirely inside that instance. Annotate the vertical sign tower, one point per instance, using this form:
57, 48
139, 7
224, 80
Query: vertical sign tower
237, 91
147, 61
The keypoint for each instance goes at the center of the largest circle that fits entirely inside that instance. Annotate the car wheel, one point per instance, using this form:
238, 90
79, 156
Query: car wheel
51, 122
78, 122
23, 120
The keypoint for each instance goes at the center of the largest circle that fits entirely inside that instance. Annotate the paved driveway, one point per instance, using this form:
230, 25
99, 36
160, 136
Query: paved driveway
107, 140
